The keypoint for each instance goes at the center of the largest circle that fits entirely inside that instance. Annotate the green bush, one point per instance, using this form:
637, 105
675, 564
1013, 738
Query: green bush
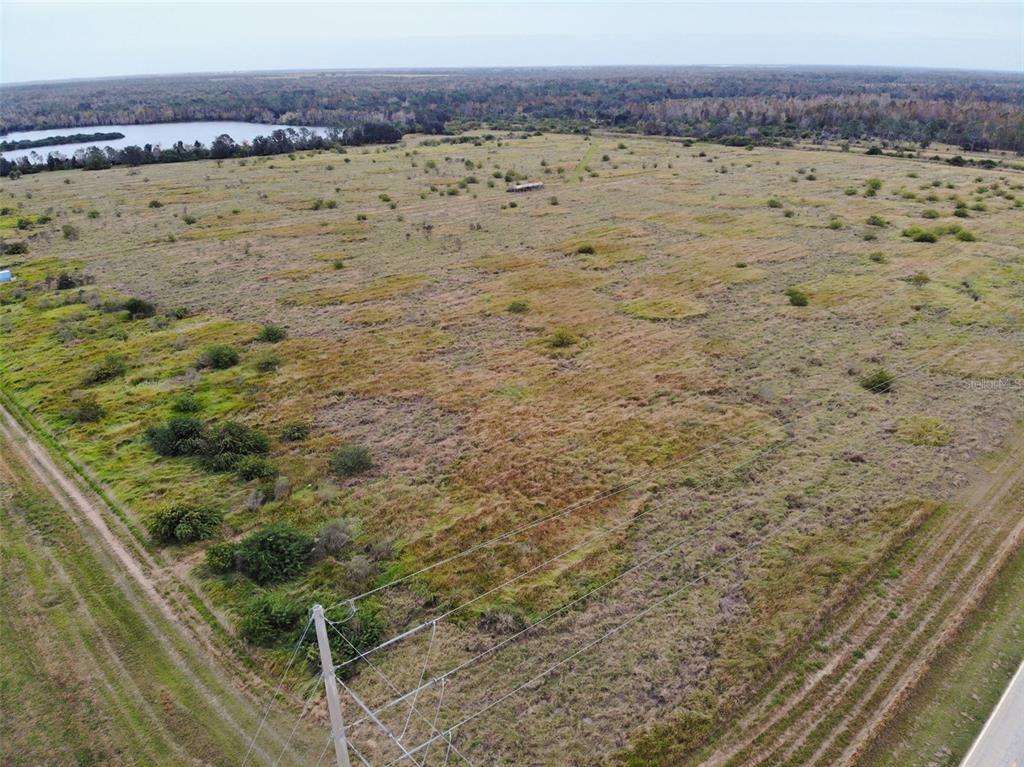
186, 402
180, 435
879, 380
350, 460
256, 467
220, 557
797, 297
278, 552
112, 366
139, 308
585, 250
876, 220
929, 213
219, 357
518, 307
964, 236
224, 446
155, 204
184, 523
295, 432
269, 619
773, 203
272, 334
562, 339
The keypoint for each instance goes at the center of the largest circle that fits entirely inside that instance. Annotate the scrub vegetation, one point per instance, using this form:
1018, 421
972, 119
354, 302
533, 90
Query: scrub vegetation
302, 402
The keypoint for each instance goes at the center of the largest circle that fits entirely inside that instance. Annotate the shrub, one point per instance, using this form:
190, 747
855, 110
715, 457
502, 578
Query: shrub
112, 366
918, 279
874, 150
220, 557
180, 435
879, 380
518, 307
155, 204
186, 402
350, 460
878, 257
295, 432
189, 219
272, 334
269, 618
773, 203
332, 538
876, 220
139, 308
86, 409
562, 339
267, 363
219, 357
797, 297
184, 523
585, 250
278, 552
70, 232
964, 236
835, 223
224, 446
929, 213
256, 467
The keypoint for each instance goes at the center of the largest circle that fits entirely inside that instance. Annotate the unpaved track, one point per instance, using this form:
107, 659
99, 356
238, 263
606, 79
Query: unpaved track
236, 695
831, 716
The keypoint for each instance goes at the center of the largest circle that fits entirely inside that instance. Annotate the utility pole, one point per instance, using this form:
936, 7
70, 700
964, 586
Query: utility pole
333, 703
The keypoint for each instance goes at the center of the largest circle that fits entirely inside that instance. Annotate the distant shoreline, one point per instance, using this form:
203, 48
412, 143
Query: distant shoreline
73, 138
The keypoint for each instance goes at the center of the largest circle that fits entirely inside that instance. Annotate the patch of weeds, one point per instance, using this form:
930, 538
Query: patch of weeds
350, 460
518, 307
797, 297
878, 381
272, 334
925, 431
219, 357
295, 432
113, 366
562, 338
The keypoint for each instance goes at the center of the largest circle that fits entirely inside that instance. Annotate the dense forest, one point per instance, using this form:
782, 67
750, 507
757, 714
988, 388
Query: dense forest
974, 110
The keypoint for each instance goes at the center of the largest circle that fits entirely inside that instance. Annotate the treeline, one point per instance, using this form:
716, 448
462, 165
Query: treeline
974, 110
280, 141
74, 138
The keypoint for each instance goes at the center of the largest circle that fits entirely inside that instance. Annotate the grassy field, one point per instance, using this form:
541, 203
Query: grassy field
621, 344
965, 683
93, 674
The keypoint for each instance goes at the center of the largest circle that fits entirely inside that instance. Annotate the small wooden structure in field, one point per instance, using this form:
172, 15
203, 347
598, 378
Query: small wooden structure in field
529, 187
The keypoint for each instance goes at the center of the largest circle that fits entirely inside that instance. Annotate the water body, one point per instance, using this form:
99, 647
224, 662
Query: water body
164, 134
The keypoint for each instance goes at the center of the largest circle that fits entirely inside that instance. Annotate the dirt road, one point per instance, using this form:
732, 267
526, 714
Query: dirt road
88, 607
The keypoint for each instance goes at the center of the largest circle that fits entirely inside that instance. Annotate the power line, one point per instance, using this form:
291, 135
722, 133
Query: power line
616, 629
563, 511
605, 531
608, 634
277, 691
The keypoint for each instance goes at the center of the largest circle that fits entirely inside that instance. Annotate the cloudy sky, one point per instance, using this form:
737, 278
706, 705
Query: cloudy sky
44, 40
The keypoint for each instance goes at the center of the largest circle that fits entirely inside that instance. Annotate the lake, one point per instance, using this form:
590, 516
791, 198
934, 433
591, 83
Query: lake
164, 134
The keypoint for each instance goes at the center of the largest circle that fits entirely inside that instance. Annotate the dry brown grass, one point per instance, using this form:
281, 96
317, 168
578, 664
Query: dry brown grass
682, 340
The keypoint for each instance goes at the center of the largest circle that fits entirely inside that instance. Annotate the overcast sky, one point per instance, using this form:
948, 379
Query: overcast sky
44, 40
